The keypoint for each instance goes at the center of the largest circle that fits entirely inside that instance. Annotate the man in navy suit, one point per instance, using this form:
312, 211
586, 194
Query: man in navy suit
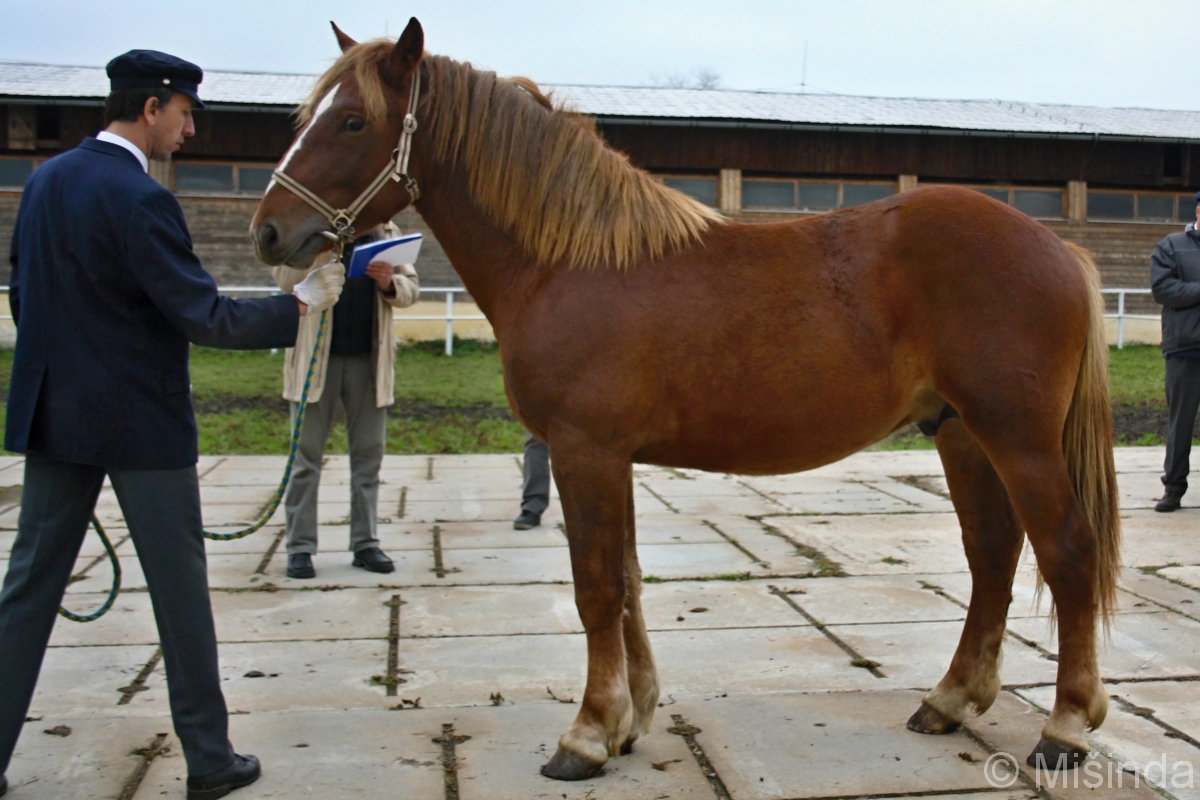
107, 295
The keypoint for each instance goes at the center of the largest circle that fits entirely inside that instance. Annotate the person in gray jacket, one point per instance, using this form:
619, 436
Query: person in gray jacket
1175, 283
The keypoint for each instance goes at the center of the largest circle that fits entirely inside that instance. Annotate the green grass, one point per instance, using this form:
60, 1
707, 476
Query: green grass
1136, 376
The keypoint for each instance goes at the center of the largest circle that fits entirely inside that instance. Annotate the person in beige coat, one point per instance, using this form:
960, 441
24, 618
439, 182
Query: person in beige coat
356, 365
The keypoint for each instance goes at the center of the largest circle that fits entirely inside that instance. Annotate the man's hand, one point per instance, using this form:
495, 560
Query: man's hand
321, 288
382, 273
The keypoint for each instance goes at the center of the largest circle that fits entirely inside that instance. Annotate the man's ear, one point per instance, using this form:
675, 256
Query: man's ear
406, 53
150, 110
344, 41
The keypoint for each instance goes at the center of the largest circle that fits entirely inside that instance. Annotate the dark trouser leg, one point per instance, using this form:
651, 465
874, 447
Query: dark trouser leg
1183, 398
162, 510
56, 503
535, 494
301, 503
366, 431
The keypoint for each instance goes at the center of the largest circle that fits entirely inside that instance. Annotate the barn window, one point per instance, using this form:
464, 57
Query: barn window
1110, 205
1187, 208
204, 177
702, 189
769, 194
763, 194
996, 194
1156, 206
1038, 202
254, 179
14, 172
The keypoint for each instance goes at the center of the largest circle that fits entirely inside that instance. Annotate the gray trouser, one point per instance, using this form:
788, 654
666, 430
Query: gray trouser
162, 510
1183, 398
535, 493
350, 379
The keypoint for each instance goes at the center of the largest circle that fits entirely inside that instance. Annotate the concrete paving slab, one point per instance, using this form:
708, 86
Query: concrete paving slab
77, 681
682, 561
1188, 577
873, 544
1024, 589
362, 754
883, 598
488, 611
800, 483
227, 514
1142, 489
494, 535
461, 510
1143, 459
95, 761
1155, 589
701, 605
1152, 645
669, 528
696, 484
502, 565
303, 675
1176, 703
744, 505
509, 744
298, 615
504, 486
99, 578
222, 494
846, 744
1012, 727
917, 654
256, 543
129, 622
1152, 539
777, 554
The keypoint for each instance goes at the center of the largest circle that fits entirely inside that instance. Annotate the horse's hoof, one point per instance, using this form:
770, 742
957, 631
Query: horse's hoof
929, 720
1052, 756
627, 748
569, 767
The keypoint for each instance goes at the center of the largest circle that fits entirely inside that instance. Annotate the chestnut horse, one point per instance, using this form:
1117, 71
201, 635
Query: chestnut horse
636, 325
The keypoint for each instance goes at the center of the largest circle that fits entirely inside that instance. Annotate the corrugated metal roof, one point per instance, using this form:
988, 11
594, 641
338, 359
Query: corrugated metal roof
19, 79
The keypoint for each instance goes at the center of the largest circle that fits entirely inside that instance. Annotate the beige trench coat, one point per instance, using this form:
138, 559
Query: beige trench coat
295, 362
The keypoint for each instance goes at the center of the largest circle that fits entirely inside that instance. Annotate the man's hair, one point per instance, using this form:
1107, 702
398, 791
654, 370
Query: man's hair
125, 105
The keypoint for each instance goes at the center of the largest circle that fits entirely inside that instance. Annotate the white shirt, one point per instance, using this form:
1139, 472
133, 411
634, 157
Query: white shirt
112, 138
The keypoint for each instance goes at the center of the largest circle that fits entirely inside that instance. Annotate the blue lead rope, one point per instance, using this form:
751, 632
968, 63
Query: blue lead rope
219, 537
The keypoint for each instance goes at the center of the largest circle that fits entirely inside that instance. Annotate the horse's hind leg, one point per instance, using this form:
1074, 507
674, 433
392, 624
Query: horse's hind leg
643, 676
1065, 546
992, 537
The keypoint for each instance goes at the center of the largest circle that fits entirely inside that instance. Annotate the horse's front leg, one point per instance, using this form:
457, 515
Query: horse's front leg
594, 488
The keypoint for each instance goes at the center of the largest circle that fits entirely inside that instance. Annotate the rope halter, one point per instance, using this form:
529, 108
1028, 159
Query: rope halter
342, 219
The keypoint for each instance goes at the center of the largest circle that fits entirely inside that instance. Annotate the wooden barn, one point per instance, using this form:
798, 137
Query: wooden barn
1114, 180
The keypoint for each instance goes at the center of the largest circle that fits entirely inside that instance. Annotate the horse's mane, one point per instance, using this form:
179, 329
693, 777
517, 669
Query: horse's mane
539, 169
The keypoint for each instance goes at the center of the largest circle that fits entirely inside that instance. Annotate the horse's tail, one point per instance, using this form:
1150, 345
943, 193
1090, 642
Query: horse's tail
1088, 445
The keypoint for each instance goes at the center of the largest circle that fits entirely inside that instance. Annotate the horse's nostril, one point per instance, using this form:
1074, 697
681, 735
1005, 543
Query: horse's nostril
268, 237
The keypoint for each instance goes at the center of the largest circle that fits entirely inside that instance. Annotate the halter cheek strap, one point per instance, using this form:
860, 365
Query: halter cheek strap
342, 219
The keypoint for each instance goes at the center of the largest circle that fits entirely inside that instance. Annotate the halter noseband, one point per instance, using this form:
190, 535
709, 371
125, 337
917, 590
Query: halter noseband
342, 219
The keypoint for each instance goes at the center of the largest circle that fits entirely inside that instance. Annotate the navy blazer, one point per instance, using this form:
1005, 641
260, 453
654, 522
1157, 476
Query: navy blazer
107, 293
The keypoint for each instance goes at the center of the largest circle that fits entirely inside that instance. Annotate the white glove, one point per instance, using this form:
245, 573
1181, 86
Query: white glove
322, 287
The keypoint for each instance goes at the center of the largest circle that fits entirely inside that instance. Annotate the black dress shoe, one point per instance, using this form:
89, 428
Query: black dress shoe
527, 520
300, 566
372, 559
242, 772
1168, 503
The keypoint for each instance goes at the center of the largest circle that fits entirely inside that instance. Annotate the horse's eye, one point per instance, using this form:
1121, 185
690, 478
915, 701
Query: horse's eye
354, 124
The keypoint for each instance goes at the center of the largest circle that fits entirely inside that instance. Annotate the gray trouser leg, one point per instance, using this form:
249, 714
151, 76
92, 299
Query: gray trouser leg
162, 510
366, 432
1183, 398
57, 500
535, 494
300, 504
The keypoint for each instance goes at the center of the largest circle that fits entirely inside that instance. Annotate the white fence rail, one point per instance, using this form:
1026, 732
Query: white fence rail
449, 317
1121, 316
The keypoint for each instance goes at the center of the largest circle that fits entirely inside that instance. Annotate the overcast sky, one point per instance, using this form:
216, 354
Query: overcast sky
1102, 52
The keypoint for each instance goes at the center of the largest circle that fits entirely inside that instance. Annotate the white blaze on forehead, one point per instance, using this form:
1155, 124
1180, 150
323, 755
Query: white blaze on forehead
323, 106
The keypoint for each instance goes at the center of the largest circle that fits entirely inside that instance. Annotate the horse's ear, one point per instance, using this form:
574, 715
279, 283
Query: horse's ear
344, 41
407, 52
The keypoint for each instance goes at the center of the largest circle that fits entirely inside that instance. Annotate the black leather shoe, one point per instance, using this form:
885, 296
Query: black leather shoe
527, 520
242, 772
300, 566
1168, 503
3, 786
372, 559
